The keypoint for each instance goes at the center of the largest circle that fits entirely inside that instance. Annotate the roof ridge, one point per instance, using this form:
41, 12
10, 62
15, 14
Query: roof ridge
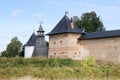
103, 31
101, 34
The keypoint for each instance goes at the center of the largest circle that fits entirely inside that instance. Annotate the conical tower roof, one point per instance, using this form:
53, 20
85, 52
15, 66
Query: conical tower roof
40, 29
32, 40
64, 27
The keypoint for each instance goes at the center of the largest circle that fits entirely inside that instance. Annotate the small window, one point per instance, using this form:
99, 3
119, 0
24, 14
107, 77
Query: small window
75, 53
54, 53
116, 48
62, 53
61, 41
54, 42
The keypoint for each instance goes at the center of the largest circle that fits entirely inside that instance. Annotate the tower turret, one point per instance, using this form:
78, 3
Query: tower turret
40, 44
40, 31
63, 37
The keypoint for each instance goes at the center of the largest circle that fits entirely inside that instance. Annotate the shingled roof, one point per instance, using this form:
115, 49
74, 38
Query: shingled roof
64, 27
32, 40
40, 29
102, 34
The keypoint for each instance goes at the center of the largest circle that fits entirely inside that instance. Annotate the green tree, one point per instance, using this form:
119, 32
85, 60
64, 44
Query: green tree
13, 48
4, 54
89, 64
22, 52
90, 22
47, 43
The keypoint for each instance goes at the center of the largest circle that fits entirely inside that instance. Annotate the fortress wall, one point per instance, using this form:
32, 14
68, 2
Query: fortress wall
104, 49
64, 46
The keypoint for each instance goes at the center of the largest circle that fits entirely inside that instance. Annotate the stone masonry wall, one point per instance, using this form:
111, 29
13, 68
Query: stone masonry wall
68, 46
64, 46
104, 49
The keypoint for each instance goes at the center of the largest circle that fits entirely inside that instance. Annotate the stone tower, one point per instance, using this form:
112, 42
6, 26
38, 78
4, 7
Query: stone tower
40, 44
63, 39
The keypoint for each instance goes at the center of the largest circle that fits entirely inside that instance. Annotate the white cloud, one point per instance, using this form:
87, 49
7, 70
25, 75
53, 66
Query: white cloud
16, 13
38, 15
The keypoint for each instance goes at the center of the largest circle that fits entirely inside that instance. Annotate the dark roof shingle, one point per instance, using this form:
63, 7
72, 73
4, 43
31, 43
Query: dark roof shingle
32, 40
64, 27
102, 34
40, 29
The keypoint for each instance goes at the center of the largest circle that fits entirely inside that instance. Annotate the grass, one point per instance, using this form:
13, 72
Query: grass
54, 69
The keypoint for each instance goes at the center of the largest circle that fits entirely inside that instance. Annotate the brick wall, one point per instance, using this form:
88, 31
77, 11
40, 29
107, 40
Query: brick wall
104, 49
64, 46
68, 46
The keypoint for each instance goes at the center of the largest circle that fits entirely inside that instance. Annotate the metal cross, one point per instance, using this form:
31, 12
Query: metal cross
41, 22
66, 12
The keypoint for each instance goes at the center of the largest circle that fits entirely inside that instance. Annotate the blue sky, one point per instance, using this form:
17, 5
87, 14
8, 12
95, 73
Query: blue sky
21, 17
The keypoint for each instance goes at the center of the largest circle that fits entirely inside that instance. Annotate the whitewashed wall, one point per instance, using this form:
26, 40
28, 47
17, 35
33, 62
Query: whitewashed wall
28, 51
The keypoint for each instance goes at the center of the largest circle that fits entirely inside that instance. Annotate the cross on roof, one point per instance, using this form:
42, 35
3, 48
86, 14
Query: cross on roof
66, 12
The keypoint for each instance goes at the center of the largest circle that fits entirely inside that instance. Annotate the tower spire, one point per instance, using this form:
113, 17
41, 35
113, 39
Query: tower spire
40, 30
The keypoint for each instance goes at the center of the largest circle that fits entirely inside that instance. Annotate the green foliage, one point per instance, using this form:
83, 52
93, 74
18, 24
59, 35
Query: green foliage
105, 69
88, 64
5, 54
90, 22
53, 62
55, 69
13, 48
47, 43
22, 52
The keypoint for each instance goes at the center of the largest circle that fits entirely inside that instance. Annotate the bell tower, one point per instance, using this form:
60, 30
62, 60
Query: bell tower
40, 44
